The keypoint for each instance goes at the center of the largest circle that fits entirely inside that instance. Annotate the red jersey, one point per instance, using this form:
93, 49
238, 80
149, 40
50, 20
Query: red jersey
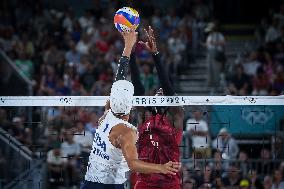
158, 143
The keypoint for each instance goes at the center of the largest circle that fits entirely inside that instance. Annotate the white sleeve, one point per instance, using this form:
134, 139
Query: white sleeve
222, 38
214, 144
64, 157
204, 126
49, 156
78, 149
63, 148
208, 40
188, 124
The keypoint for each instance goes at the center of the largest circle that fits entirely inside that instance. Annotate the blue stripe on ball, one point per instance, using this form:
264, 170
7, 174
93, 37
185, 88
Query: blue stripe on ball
129, 17
119, 28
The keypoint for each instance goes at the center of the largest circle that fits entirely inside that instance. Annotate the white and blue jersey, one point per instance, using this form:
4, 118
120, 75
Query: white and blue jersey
107, 164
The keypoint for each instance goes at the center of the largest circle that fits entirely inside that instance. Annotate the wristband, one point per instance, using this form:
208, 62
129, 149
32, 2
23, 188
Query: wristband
124, 59
156, 53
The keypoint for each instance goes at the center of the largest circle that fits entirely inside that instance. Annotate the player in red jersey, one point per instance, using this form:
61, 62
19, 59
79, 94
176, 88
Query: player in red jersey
161, 133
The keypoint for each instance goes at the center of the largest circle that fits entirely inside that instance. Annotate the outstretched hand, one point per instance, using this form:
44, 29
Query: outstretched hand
170, 168
130, 39
150, 44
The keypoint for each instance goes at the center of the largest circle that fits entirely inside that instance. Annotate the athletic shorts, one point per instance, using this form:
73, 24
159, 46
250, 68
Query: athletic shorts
95, 185
141, 185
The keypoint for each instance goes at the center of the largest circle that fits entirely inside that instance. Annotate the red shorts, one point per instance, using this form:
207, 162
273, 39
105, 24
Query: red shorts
143, 185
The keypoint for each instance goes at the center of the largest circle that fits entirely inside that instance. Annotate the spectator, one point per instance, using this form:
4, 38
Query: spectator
226, 144
67, 22
252, 64
278, 84
61, 88
56, 163
201, 11
278, 182
73, 56
215, 44
176, 47
85, 139
18, 130
272, 33
199, 133
188, 184
48, 81
25, 64
83, 45
207, 177
87, 20
233, 179
267, 182
148, 79
266, 165
92, 125
217, 163
244, 163
52, 55
72, 151
156, 20
239, 84
172, 18
255, 180
261, 83
277, 146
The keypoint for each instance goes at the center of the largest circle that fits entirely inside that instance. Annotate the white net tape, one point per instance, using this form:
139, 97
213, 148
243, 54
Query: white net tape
140, 100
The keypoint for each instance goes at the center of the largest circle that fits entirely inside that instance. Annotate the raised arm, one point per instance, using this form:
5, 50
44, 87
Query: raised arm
151, 46
139, 89
129, 41
168, 90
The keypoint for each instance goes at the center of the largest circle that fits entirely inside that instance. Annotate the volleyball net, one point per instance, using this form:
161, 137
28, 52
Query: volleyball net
35, 125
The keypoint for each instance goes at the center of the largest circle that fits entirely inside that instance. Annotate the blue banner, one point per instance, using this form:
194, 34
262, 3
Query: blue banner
246, 120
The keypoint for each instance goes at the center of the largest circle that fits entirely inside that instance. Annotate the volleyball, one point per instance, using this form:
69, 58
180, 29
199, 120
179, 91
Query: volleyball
126, 19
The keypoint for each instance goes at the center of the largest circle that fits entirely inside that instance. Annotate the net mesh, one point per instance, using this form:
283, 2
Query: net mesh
33, 135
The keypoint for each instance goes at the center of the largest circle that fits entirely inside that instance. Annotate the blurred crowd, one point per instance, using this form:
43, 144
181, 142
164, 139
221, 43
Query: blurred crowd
220, 162
66, 54
260, 71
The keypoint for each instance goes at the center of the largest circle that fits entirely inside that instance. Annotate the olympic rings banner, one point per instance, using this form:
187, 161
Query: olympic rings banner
140, 100
246, 120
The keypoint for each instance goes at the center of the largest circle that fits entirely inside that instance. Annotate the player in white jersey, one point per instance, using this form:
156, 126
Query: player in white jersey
114, 149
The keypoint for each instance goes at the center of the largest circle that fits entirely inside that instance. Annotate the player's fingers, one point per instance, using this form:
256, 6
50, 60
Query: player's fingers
147, 35
142, 43
131, 30
151, 32
153, 40
174, 166
172, 170
177, 166
146, 45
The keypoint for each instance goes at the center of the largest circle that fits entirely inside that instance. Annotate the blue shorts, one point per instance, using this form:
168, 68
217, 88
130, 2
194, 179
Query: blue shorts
95, 185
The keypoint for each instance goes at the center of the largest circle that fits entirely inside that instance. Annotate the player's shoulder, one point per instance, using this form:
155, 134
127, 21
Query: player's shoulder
127, 127
126, 131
